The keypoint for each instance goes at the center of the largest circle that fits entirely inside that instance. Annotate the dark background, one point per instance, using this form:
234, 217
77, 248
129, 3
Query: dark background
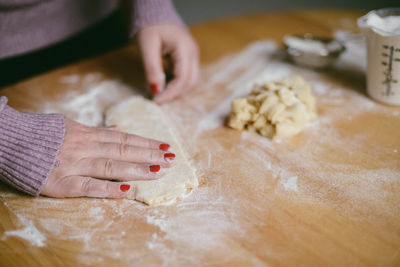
194, 11
104, 36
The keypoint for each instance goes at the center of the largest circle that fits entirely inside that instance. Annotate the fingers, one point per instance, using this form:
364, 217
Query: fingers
158, 40
79, 186
194, 68
110, 128
108, 136
133, 154
118, 170
195, 71
186, 74
181, 75
151, 51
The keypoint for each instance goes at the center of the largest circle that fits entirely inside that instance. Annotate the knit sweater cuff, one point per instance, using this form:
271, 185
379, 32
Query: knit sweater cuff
29, 145
151, 12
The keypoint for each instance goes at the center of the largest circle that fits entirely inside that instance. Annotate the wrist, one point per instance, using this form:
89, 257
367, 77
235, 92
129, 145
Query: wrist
153, 12
29, 145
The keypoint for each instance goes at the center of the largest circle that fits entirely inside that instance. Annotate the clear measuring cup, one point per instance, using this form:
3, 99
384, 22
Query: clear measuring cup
382, 30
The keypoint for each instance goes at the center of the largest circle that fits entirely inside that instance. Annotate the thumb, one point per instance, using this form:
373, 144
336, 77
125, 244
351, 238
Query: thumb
152, 61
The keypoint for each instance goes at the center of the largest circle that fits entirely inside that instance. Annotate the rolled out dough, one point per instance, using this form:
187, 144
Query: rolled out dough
139, 116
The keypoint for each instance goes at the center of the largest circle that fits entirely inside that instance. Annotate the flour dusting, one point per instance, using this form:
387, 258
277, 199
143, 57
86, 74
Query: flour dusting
87, 107
29, 232
252, 187
290, 184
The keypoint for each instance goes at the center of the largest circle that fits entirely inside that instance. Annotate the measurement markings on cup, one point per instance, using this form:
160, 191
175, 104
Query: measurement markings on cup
389, 58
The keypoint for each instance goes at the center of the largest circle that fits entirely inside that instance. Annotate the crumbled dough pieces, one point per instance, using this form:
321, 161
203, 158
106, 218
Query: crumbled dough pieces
276, 110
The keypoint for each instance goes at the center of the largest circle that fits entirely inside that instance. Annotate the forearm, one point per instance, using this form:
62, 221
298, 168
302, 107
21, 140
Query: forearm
9, 4
152, 12
29, 145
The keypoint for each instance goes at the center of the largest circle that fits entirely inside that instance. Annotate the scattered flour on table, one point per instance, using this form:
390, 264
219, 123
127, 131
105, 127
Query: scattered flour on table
188, 231
199, 225
87, 107
97, 213
290, 183
29, 232
261, 62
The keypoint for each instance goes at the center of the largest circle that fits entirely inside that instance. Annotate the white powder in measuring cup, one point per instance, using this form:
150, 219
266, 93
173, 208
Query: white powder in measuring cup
389, 25
311, 46
382, 29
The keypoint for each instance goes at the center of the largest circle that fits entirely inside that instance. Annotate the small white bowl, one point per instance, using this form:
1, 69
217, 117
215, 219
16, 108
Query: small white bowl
313, 52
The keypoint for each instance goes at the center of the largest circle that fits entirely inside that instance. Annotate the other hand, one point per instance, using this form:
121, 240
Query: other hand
169, 39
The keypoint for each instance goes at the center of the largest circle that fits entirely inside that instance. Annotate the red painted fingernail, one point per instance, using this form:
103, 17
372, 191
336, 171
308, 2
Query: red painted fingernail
169, 156
164, 147
113, 127
124, 187
154, 88
155, 168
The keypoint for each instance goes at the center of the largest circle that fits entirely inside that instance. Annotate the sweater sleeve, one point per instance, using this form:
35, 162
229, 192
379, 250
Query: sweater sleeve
29, 145
151, 12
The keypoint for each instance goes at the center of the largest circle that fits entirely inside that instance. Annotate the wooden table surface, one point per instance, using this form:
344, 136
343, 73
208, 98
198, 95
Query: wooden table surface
328, 197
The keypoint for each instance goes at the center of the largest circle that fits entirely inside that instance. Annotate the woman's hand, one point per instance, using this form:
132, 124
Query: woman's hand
91, 157
174, 40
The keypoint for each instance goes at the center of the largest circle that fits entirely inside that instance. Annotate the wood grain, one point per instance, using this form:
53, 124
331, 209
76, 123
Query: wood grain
241, 214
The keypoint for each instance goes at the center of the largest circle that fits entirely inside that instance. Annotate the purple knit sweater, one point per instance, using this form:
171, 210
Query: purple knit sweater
27, 25
30, 143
